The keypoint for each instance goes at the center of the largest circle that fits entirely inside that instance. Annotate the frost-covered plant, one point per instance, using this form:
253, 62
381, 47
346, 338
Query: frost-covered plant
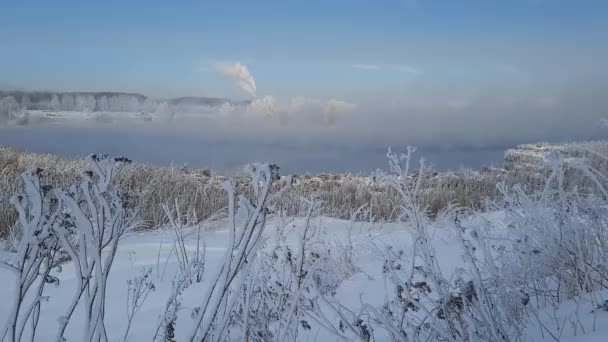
96, 217
422, 302
418, 283
32, 256
557, 238
278, 301
267, 294
554, 247
138, 290
269, 306
190, 264
476, 303
191, 267
84, 225
165, 329
492, 295
246, 223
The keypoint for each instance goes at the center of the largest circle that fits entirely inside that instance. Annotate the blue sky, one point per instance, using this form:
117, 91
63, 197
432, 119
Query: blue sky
411, 50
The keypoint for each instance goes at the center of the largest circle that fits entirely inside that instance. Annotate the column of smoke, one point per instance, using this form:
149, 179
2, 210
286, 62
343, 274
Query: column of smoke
239, 74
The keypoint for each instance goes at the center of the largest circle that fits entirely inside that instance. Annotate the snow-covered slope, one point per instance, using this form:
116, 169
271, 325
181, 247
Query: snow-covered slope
153, 250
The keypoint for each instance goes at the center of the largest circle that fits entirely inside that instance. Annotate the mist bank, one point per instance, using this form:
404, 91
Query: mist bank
493, 117
197, 148
309, 134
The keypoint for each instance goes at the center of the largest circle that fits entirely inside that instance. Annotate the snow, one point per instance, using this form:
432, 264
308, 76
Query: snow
591, 327
153, 249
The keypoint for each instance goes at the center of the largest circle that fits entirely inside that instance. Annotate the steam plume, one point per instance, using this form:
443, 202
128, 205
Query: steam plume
237, 73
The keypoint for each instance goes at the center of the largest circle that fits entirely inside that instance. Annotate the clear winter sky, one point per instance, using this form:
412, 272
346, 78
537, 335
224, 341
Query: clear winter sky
466, 75
402, 50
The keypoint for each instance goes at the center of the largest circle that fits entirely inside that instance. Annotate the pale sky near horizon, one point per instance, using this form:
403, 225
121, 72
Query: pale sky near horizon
404, 51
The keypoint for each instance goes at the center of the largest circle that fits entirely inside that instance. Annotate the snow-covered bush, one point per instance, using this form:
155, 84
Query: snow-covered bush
83, 224
422, 303
32, 254
548, 247
278, 299
191, 265
246, 223
96, 216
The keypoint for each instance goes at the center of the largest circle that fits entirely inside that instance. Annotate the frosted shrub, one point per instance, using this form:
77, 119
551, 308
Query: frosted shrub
33, 254
552, 248
558, 237
190, 264
95, 219
83, 224
422, 303
246, 223
138, 290
279, 300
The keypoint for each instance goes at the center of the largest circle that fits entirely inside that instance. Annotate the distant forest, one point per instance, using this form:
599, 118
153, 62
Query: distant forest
101, 101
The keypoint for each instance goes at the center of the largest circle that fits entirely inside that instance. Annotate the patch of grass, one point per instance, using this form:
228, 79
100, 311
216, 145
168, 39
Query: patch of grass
200, 191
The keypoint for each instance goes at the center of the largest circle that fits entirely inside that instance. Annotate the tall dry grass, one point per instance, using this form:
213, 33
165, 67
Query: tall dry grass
200, 192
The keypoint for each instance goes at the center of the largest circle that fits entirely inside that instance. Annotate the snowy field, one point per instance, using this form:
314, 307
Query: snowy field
153, 252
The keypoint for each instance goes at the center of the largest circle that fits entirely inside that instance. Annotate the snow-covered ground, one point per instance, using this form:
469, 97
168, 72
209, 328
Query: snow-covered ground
528, 267
153, 250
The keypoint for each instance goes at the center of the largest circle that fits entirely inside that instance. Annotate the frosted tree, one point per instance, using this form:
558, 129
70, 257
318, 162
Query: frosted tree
149, 105
90, 104
85, 103
123, 103
114, 104
103, 105
266, 106
54, 104
67, 102
26, 103
79, 102
133, 104
163, 110
9, 108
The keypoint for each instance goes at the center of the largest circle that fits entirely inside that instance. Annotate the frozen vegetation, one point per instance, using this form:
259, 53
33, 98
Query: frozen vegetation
529, 263
200, 190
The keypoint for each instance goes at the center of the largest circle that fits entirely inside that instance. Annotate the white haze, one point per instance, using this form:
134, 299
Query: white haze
331, 134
